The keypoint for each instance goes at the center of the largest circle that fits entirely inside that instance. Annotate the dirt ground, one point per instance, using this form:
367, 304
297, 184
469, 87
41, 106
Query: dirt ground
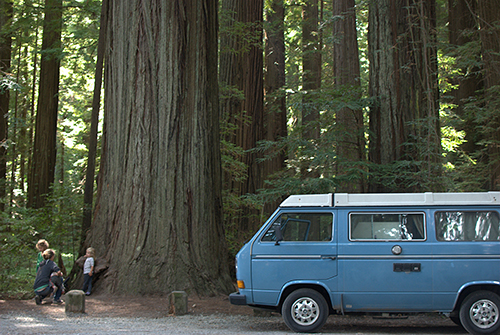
241, 320
115, 306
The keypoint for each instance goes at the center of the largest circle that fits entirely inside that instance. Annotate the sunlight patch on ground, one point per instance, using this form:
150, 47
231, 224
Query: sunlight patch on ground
29, 322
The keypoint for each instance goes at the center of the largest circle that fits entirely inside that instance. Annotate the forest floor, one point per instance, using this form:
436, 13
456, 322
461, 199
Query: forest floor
117, 306
116, 315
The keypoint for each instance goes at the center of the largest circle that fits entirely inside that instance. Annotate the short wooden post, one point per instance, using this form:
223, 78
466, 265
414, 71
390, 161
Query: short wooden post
178, 303
75, 301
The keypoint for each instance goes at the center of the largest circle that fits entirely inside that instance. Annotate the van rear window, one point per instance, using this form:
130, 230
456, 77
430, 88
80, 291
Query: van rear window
387, 226
467, 226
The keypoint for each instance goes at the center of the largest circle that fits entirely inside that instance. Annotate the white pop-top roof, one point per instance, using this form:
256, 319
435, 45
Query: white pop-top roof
392, 199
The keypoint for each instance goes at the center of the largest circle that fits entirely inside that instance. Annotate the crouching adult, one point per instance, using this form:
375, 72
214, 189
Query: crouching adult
48, 276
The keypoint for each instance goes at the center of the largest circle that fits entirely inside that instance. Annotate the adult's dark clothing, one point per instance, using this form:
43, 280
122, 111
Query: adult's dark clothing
43, 286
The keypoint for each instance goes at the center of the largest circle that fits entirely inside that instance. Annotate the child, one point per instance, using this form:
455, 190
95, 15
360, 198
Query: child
88, 271
43, 286
41, 245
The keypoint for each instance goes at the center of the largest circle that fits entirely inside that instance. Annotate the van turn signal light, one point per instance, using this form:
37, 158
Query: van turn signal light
241, 283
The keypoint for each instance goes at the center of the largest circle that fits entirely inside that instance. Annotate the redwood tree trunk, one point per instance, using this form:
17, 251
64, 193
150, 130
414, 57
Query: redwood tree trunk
44, 153
462, 30
275, 122
404, 120
311, 67
241, 68
5, 54
158, 220
490, 50
346, 72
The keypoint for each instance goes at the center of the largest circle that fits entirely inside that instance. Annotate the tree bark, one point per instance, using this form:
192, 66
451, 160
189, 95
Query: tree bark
274, 81
44, 153
241, 68
5, 55
346, 72
311, 65
490, 49
404, 120
463, 28
158, 220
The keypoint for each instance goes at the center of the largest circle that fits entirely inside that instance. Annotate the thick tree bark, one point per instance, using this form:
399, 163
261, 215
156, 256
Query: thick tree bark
403, 79
158, 220
5, 55
241, 68
275, 121
489, 16
346, 72
44, 153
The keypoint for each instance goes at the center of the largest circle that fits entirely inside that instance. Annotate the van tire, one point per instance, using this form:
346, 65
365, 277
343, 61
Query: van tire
480, 313
305, 310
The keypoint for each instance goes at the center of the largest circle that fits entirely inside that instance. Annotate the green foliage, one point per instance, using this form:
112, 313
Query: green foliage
59, 223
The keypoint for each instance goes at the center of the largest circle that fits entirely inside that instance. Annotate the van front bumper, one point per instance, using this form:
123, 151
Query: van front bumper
237, 299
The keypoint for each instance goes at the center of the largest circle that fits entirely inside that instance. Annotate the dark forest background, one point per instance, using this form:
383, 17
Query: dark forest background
164, 133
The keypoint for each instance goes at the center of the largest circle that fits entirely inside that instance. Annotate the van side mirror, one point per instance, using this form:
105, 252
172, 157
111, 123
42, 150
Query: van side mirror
278, 234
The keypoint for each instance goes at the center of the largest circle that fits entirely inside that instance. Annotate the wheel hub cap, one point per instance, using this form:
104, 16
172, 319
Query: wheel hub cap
305, 311
484, 314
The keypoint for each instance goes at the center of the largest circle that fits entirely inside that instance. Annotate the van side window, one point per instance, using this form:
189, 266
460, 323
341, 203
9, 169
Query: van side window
387, 226
297, 227
467, 226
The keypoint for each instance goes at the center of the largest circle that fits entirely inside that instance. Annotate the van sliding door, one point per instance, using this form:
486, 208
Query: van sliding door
384, 262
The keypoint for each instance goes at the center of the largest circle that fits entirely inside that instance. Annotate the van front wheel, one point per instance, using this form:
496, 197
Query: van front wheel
480, 314
305, 310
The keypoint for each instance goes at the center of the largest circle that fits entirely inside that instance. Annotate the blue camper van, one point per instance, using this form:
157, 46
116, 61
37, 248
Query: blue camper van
380, 254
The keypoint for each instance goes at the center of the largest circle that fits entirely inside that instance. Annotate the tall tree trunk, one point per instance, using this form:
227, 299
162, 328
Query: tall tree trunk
346, 72
88, 195
489, 16
403, 79
311, 65
5, 55
274, 81
462, 27
241, 68
158, 221
44, 154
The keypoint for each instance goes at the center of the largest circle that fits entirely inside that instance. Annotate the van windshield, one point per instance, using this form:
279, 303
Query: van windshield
306, 227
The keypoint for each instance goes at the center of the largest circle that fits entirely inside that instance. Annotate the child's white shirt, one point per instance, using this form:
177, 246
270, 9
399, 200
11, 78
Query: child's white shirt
89, 263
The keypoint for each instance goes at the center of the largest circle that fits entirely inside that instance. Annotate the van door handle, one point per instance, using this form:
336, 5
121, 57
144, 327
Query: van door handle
329, 257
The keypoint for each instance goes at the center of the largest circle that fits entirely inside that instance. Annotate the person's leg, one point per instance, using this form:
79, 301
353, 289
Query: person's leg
85, 282
89, 289
57, 281
57, 296
42, 294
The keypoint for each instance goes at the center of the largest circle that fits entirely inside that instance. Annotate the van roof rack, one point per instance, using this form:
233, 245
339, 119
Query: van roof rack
392, 199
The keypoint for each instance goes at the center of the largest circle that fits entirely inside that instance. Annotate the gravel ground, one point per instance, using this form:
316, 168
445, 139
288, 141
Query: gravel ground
36, 323
107, 314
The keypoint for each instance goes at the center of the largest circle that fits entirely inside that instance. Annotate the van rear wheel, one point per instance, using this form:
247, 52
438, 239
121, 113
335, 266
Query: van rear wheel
305, 310
480, 313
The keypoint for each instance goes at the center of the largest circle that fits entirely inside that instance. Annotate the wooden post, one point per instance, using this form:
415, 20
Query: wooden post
178, 303
75, 302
